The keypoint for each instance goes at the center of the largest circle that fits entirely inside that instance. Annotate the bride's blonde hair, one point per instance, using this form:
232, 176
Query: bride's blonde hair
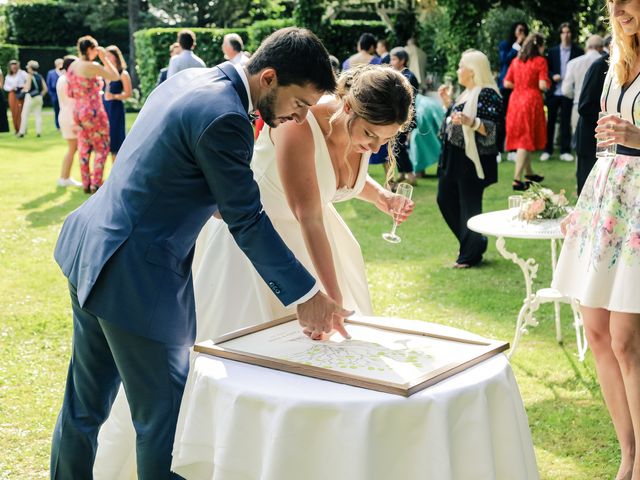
625, 49
378, 94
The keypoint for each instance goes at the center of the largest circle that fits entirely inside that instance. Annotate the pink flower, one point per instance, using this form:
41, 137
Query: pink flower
609, 223
634, 241
538, 206
619, 161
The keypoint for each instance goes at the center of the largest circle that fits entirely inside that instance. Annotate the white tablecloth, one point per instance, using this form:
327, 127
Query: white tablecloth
243, 422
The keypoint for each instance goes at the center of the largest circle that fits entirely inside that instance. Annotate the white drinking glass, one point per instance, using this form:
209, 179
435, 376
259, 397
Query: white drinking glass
404, 190
515, 202
609, 150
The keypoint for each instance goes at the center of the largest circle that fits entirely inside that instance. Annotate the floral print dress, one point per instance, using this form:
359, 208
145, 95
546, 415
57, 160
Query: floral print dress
600, 260
93, 133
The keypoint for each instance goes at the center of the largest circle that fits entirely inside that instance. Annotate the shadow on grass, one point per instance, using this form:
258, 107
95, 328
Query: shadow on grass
573, 427
56, 213
583, 378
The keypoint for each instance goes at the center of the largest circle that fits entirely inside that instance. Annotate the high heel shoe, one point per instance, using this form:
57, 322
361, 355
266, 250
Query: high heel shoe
534, 178
519, 186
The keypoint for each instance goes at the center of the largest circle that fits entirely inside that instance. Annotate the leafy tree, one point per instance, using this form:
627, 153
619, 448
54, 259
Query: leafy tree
496, 26
308, 13
214, 13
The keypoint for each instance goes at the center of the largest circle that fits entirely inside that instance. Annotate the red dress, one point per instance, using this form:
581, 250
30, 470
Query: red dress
526, 125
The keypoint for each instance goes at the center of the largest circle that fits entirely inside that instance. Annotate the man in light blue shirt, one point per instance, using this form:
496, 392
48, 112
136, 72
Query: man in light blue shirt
186, 59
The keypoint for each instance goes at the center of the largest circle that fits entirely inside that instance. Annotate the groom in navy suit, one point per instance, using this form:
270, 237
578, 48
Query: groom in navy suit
127, 251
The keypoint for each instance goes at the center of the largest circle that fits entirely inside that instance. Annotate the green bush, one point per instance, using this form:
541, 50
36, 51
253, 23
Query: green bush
339, 36
496, 26
152, 50
434, 38
39, 23
7, 52
116, 32
263, 28
152, 45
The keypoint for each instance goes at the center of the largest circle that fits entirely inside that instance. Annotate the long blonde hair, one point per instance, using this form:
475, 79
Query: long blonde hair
478, 63
378, 94
625, 49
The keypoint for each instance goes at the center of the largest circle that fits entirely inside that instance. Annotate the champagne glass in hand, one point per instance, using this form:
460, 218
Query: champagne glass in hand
404, 190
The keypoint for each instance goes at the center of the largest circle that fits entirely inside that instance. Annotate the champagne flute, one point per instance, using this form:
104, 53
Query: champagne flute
404, 190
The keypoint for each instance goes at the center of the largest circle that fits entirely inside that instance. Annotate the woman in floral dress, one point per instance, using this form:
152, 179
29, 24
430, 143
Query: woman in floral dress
85, 79
600, 260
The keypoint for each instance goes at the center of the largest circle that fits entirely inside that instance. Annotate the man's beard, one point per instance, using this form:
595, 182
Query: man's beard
266, 107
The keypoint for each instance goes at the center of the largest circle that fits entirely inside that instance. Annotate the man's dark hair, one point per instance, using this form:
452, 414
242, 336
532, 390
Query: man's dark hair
401, 53
186, 39
297, 56
385, 43
564, 25
235, 41
367, 41
514, 27
68, 60
85, 43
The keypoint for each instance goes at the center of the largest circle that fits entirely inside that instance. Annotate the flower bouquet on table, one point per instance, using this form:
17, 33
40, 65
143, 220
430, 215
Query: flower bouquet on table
539, 202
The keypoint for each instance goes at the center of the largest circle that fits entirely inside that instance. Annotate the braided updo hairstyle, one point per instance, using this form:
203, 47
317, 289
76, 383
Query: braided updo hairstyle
378, 94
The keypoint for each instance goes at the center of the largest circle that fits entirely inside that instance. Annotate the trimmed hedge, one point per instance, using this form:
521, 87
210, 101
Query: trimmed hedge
7, 52
339, 36
152, 45
48, 23
152, 50
263, 28
39, 24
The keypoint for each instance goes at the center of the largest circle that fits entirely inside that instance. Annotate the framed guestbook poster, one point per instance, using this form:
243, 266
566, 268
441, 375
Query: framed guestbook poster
379, 357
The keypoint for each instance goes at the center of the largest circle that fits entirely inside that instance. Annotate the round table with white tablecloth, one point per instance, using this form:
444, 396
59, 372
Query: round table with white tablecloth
244, 422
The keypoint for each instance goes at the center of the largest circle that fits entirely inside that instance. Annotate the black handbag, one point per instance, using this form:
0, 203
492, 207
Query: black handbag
20, 94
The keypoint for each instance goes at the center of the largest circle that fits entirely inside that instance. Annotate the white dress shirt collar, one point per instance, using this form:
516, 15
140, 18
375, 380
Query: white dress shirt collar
245, 81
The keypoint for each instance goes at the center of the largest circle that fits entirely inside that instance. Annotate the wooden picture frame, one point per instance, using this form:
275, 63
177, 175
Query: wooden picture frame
467, 352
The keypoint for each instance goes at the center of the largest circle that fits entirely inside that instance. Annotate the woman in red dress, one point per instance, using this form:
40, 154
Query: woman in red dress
526, 125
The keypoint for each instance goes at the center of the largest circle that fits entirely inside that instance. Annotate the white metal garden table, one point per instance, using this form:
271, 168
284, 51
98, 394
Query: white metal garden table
503, 224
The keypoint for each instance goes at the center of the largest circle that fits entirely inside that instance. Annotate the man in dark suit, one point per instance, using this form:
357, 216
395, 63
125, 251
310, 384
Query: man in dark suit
399, 58
52, 79
558, 57
382, 49
127, 251
588, 109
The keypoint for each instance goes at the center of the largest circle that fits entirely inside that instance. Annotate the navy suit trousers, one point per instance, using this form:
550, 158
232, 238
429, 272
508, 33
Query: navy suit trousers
153, 374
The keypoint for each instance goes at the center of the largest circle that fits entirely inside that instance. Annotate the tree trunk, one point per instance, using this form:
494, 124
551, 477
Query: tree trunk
134, 25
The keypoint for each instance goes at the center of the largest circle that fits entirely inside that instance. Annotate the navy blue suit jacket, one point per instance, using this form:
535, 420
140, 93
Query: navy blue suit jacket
506, 55
52, 80
589, 106
128, 249
554, 62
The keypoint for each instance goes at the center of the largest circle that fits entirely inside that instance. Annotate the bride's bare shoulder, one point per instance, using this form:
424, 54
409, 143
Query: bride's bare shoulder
323, 112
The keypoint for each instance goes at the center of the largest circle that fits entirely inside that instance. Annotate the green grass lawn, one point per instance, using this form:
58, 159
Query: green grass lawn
571, 430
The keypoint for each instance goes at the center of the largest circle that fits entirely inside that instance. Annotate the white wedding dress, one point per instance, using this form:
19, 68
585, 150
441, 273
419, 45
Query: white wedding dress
230, 294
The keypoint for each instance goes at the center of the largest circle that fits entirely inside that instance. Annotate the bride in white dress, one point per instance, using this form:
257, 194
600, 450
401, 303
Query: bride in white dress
301, 170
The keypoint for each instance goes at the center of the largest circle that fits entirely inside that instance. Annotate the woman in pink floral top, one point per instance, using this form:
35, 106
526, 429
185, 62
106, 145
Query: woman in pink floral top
85, 81
600, 260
